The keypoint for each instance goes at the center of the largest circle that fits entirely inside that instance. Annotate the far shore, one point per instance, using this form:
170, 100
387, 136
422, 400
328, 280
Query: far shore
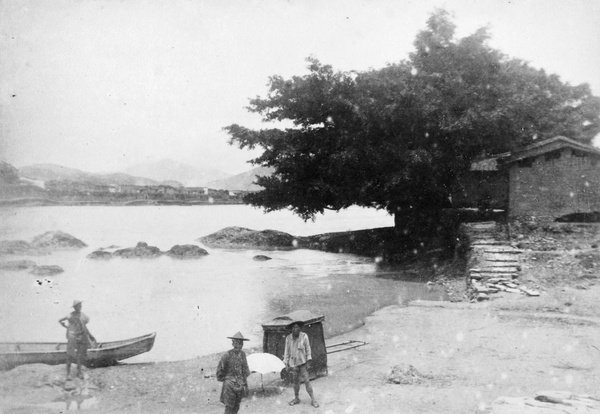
45, 202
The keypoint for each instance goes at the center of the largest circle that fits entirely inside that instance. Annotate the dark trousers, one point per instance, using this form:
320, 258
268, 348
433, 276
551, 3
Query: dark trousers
233, 409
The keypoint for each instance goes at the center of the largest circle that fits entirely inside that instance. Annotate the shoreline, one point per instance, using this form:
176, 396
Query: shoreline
46, 202
461, 357
427, 357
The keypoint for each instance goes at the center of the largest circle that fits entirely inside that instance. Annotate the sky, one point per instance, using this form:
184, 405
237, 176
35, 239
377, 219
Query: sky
102, 85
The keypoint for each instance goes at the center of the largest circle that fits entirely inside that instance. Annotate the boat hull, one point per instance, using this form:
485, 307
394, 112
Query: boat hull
104, 354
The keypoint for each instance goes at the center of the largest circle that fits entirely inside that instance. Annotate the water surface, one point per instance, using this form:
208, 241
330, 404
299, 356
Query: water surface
193, 305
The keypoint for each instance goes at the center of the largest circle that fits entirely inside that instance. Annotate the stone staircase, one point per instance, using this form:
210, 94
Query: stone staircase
492, 261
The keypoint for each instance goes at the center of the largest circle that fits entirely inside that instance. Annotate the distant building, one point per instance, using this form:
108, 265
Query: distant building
548, 179
193, 191
553, 178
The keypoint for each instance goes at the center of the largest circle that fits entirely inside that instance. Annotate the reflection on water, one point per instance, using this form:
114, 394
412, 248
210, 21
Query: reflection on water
193, 305
70, 403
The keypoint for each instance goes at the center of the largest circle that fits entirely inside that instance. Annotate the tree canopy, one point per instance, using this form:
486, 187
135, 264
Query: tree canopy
397, 138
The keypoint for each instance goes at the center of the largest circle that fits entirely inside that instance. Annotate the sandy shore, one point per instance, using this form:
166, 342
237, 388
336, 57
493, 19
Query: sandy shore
463, 357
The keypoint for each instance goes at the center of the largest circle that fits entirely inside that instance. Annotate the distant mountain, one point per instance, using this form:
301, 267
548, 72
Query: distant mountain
126, 179
47, 172
165, 169
12, 186
241, 182
8, 174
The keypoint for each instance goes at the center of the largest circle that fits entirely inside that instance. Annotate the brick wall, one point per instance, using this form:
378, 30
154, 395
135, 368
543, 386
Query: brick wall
555, 184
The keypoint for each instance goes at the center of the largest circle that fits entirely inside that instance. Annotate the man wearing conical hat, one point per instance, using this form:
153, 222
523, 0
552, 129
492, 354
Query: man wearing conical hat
78, 337
233, 371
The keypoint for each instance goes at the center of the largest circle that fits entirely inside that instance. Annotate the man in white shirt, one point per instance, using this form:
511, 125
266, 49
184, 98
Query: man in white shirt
296, 357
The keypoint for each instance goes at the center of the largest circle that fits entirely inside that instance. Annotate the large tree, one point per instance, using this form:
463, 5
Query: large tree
397, 138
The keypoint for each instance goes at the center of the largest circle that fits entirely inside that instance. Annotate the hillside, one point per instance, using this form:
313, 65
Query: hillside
241, 182
12, 186
9, 175
188, 175
49, 172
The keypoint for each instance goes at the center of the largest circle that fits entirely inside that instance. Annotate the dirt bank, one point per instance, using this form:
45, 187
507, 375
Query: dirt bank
463, 355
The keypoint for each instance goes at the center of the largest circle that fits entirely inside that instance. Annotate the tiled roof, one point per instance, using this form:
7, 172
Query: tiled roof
552, 144
532, 150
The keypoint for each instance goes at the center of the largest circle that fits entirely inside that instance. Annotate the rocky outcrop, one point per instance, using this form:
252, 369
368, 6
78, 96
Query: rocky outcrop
17, 265
52, 240
99, 254
141, 250
17, 247
406, 374
382, 242
239, 237
186, 251
20, 265
269, 239
46, 270
42, 244
547, 402
261, 258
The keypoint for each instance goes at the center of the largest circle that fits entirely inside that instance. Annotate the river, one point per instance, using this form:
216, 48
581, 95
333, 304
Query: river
193, 305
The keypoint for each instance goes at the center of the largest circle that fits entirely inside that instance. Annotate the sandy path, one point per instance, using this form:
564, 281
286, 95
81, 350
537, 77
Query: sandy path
467, 355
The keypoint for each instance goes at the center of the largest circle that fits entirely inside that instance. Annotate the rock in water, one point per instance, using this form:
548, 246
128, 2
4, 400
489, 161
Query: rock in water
99, 254
16, 247
261, 258
141, 250
186, 251
223, 237
17, 265
239, 237
57, 240
46, 270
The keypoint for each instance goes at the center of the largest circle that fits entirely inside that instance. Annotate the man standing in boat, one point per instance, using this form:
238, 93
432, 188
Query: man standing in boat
78, 337
296, 357
233, 372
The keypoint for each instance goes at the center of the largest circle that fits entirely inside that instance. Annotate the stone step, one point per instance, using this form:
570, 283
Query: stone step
482, 225
498, 270
486, 275
500, 257
484, 269
497, 259
484, 242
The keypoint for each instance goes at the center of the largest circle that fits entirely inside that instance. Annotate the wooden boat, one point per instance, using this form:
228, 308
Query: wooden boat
55, 353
